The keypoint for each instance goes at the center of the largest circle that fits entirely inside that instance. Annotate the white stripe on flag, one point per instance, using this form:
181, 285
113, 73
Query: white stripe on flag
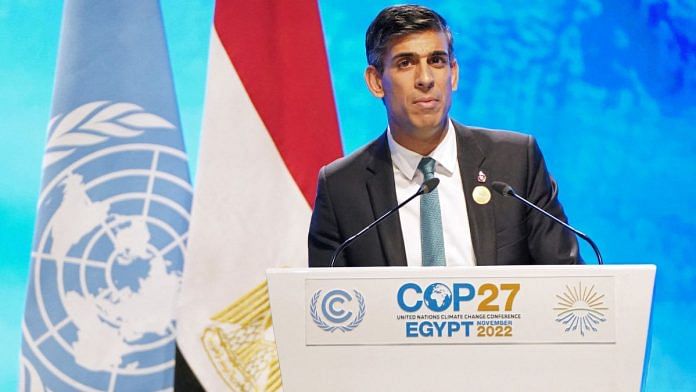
248, 212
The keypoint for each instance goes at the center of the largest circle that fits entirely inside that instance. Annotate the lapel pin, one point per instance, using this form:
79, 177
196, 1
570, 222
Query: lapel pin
481, 176
481, 195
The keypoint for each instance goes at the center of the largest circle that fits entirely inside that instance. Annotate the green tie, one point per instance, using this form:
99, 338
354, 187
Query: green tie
432, 241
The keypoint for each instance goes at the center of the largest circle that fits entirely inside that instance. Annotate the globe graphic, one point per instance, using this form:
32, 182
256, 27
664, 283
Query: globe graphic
108, 279
437, 297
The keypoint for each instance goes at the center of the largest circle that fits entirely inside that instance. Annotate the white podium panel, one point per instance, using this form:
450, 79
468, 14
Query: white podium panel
522, 328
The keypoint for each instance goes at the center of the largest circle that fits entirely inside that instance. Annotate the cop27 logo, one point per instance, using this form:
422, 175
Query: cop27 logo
581, 309
339, 309
439, 297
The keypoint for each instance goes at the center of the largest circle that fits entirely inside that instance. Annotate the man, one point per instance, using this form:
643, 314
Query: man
413, 70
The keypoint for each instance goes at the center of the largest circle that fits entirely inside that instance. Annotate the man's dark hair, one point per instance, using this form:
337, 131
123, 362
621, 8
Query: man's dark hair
398, 21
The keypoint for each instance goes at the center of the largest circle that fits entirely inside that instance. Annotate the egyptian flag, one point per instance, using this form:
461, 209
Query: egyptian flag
269, 125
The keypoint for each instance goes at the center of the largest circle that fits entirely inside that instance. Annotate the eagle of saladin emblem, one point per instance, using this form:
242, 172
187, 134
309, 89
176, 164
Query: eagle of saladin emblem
240, 344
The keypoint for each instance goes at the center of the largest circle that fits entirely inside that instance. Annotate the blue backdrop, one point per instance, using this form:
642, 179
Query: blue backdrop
607, 87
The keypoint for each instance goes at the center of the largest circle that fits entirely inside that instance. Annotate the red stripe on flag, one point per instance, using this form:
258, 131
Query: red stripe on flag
278, 51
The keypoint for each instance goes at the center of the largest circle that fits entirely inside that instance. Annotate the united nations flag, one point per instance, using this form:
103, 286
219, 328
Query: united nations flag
113, 209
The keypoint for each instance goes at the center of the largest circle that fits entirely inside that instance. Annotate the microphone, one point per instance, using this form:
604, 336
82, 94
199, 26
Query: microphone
506, 190
426, 187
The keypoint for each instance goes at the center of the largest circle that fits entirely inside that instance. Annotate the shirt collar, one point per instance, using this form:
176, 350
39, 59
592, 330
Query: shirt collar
445, 155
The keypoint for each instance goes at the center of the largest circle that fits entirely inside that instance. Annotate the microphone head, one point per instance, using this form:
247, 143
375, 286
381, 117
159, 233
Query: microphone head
429, 186
502, 188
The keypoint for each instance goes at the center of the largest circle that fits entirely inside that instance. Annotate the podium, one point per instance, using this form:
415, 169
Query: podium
510, 328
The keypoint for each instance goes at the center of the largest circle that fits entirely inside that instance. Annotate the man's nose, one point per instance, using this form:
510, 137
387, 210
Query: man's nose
424, 77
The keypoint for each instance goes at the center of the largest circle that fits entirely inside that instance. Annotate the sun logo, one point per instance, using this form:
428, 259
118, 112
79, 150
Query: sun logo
580, 308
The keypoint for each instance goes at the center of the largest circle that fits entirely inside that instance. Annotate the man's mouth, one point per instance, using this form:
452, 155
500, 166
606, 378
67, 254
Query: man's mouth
426, 102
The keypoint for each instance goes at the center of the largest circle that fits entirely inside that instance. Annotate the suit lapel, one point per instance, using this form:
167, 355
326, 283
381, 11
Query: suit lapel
382, 191
481, 218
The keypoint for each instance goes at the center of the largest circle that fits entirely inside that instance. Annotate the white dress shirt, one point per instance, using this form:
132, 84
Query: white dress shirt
459, 250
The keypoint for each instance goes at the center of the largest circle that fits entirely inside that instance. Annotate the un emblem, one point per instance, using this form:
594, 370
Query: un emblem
108, 251
339, 310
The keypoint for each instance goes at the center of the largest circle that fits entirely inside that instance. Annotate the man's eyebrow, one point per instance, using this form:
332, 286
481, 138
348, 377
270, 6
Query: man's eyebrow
412, 54
404, 54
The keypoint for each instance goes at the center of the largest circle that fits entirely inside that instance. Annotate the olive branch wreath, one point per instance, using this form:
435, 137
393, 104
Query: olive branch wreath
343, 328
96, 122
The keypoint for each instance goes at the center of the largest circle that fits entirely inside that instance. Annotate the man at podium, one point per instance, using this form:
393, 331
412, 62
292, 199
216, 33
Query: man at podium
413, 70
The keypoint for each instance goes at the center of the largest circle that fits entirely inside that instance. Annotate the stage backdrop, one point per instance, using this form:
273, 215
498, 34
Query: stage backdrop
607, 87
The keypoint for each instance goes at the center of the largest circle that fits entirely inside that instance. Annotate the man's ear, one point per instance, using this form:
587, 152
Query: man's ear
374, 81
455, 74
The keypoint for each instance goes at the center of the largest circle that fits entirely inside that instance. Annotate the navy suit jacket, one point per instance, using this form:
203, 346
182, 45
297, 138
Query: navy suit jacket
355, 190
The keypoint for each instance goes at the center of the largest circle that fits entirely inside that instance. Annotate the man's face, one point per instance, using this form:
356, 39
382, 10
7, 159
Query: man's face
416, 84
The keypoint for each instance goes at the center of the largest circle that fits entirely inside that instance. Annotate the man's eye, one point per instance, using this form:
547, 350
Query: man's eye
440, 60
403, 63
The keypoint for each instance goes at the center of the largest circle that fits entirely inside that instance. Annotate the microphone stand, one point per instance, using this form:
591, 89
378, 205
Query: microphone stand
506, 190
426, 187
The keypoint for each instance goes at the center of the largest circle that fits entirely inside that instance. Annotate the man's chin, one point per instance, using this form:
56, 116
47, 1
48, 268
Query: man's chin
436, 123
